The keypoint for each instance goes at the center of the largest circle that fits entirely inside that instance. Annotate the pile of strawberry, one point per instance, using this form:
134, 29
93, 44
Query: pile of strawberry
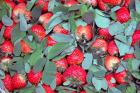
70, 46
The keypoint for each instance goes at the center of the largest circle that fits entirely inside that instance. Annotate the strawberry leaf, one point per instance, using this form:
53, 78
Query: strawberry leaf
30, 4
80, 22
40, 89
7, 21
2, 74
23, 23
137, 4
36, 12
27, 67
137, 50
1, 34
113, 90
27, 90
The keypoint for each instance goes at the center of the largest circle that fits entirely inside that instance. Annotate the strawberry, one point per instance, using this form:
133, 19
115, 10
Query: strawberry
110, 80
43, 4
136, 37
93, 2
34, 78
18, 81
126, 3
83, 91
1, 25
7, 47
120, 77
75, 74
47, 88
7, 81
104, 32
4, 62
84, 32
128, 56
61, 64
111, 62
112, 2
50, 41
122, 15
76, 57
70, 3
10, 3
39, 31
102, 5
25, 48
21, 1
8, 31
112, 48
58, 78
60, 30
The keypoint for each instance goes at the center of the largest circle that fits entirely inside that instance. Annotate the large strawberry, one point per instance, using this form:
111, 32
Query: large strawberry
47, 89
18, 81
76, 75
34, 77
76, 57
136, 37
50, 41
39, 31
122, 15
43, 4
112, 2
93, 2
25, 48
104, 32
60, 30
8, 31
58, 78
128, 56
110, 80
7, 81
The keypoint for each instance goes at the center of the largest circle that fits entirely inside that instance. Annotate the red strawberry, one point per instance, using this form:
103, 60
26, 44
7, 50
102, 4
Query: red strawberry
1, 25
18, 81
39, 31
100, 44
83, 92
20, 1
104, 32
61, 64
50, 41
111, 62
7, 47
7, 81
102, 5
120, 77
128, 56
58, 78
112, 2
47, 88
122, 15
10, 3
70, 3
84, 32
126, 3
75, 74
25, 48
44, 5
34, 78
112, 48
110, 80
136, 37
93, 2
76, 57
8, 31
60, 30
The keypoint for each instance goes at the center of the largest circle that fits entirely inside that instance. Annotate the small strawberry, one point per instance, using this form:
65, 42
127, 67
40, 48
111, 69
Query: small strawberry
93, 2
102, 5
34, 78
7, 47
70, 3
43, 4
84, 32
7, 81
110, 80
128, 56
111, 62
4, 62
39, 31
50, 41
47, 89
104, 32
76, 57
112, 2
136, 37
18, 81
120, 77
61, 64
25, 48
58, 78
75, 74
122, 15
112, 48
8, 31
60, 30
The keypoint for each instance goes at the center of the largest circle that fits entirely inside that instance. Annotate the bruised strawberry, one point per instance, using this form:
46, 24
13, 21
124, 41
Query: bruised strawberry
104, 32
43, 4
18, 81
58, 78
70, 3
34, 78
7, 47
61, 64
25, 48
136, 37
39, 31
50, 41
112, 2
111, 62
122, 15
76, 57
110, 80
128, 56
47, 89
102, 5
112, 48
120, 77
93, 2
60, 30
84, 32
7, 81
8, 31
75, 74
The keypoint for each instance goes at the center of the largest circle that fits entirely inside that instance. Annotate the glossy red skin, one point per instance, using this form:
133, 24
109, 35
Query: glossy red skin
83, 92
112, 2
25, 48
39, 31
85, 31
60, 30
104, 32
47, 88
18, 81
59, 78
7, 47
108, 78
62, 64
34, 78
111, 62
70, 3
7, 81
1, 25
112, 48
128, 56
75, 72
21, 1
102, 6
8, 31
76, 57
136, 37
122, 15
100, 44
50, 41
120, 77
44, 5
93, 2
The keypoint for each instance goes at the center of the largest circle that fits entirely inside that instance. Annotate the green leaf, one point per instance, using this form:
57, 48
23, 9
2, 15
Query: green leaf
7, 21
53, 84
131, 89
30, 4
120, 69
137, 50
40, 89
2, 74
17, 49
27, 90
27, 67
83, 9
80, 22
113, 90
23, 23
72, 24
137, 6
51, 5
36, 12
1, 34
115, 8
